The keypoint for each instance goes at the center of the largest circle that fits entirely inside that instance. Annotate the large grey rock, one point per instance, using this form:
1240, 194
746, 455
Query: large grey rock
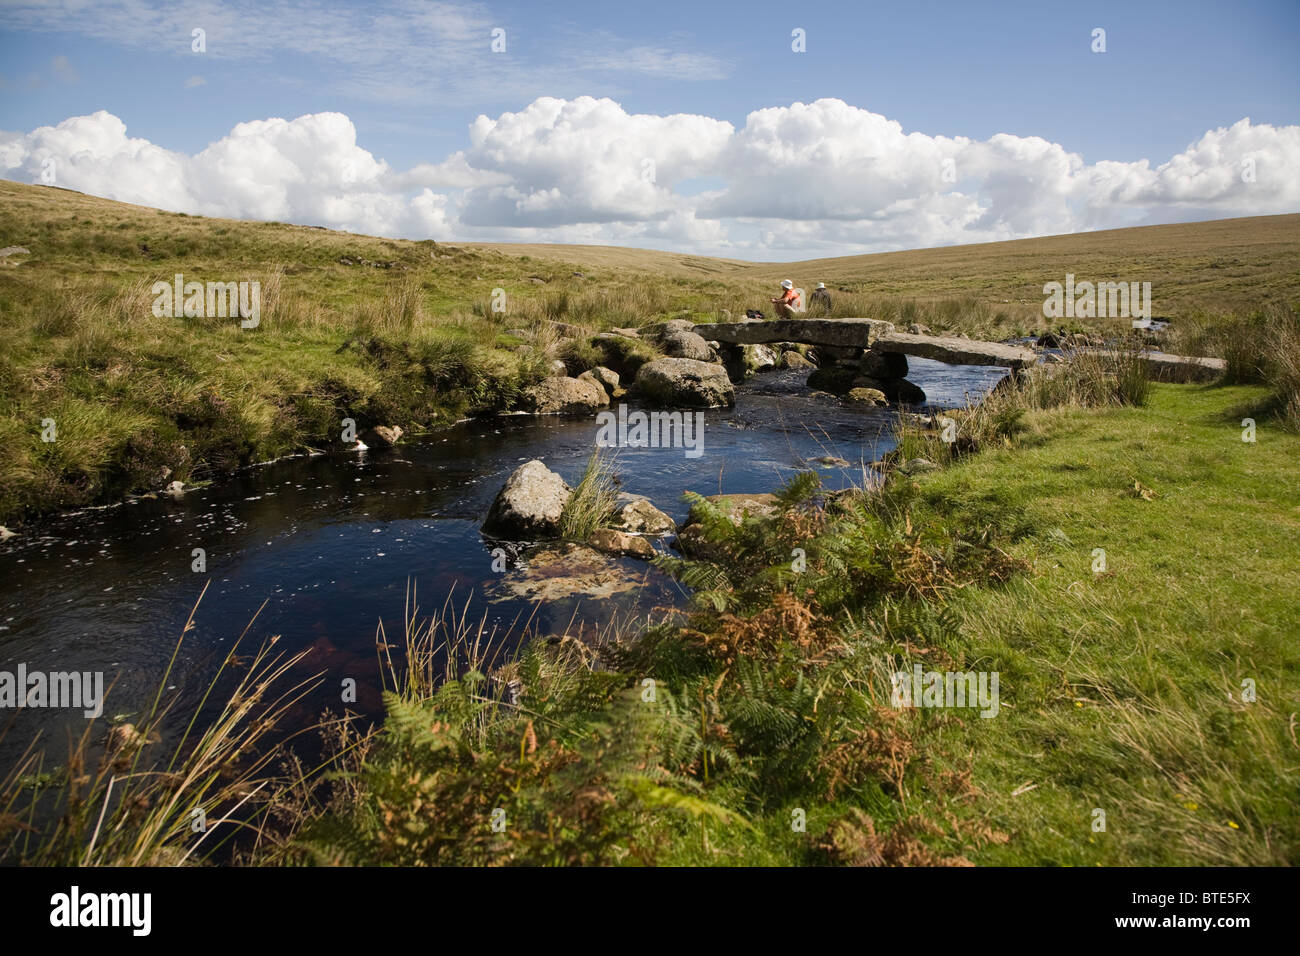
530, 504
686, 383
760, 358
845, 333
686, 345
956, 351
560, 395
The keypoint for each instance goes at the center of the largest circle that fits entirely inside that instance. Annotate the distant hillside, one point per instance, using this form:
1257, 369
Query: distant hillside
1221, 265
1217, 266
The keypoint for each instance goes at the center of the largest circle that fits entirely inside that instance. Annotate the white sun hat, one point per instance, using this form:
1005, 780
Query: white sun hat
787, 284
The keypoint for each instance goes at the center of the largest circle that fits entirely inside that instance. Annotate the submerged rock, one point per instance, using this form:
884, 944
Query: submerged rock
566, 571
612, 541
530, 505
866, 396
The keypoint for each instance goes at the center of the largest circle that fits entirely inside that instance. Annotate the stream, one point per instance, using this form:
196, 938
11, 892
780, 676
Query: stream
331, 543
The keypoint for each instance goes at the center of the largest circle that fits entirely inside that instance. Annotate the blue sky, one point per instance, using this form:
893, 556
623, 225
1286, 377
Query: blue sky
411, 77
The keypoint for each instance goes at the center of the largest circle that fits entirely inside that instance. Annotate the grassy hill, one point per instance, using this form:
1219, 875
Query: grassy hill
404, 332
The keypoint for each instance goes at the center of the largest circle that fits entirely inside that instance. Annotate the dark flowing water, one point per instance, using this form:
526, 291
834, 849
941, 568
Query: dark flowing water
330, 543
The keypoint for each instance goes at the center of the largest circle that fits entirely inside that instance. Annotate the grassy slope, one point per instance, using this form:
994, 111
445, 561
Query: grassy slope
1127, 685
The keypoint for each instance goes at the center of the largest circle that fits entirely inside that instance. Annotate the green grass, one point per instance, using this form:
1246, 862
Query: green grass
1127, 685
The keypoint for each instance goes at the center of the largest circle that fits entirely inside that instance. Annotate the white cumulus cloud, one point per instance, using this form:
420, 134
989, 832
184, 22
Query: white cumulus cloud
820, 178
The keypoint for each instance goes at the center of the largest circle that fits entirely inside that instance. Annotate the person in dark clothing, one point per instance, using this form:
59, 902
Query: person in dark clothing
820, 300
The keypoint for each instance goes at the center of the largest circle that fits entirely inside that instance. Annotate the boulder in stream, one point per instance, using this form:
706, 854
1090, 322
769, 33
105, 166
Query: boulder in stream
530, 504
685, 383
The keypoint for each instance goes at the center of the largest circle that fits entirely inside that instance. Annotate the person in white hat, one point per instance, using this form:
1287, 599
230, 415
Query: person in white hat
820, 300
788, 303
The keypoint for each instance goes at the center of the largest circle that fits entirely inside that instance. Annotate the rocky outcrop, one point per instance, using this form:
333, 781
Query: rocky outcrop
685, 383
560, 395
530, 505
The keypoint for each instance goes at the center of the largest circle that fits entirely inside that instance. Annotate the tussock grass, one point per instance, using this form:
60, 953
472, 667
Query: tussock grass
592, 503
1262, 348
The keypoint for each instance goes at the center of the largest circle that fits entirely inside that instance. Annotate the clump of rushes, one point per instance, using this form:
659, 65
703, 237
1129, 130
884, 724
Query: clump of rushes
592, 503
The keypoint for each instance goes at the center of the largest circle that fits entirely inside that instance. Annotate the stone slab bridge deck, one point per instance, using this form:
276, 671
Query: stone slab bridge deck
874, 334
880, 336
